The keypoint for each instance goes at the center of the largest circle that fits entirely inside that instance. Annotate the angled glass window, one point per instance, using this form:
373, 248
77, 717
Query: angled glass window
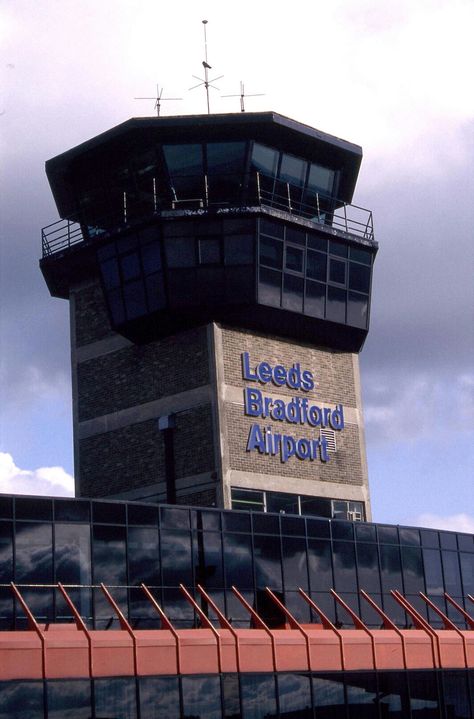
357, 310
292, 170
360, 255
70, 698
294, 259
391, 573
337, 271
155, 292
336, 248
238, 560
135, 299
294, 692
315, 301
176, 558
321, 178
72, 553
265, 159
433, 571
361, 689
271, 252
336, 304
34, 550
185, 167
452, 577
316, 265
143, 555
115, 697
368, 567
21, 700
269, 290
151, 258
344, 566
296, 236
225, 158
412, 563
293, 293
267, 562
359, 278
130, 266
328, 693
110, 273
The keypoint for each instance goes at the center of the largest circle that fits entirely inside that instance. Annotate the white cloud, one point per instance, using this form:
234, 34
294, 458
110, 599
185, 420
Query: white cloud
49, 481
455, 522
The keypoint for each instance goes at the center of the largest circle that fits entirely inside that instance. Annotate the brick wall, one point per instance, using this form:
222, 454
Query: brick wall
91, 318
142, 373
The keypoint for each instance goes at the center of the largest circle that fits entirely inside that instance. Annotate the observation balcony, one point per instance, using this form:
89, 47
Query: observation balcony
251, 193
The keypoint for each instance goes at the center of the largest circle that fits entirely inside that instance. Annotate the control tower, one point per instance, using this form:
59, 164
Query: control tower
219, 285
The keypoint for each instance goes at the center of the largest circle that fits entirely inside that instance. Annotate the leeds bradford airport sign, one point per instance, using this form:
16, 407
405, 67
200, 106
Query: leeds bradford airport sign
297, 410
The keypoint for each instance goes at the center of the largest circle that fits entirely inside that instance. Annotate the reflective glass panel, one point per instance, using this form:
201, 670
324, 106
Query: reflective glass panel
258, 693
209, 251
390, 568
361, 688
185, 169
109, 555
337, 271
335, 248
368, 567
293, 170
321, 178
359, 278
69, 699
130, 266
143, 556
293, 293
433, 571
159, 698
360, 255
151, 258
230, 696
456, 695
21, 700
6, 552
423, 695
208, 558
328, 694
467, 570
226, 158
294, 259
294, 692
265, 159
269, 289
336, 304
110, 273
115, 697
344, 566
238, 560
267, 562
271, 252
201, 697
315, 299
295, 567
72, 552
34, 553
135, 299
320, 564
393, 695
412, 563
176, 558
316, 263
357, 310
155, 292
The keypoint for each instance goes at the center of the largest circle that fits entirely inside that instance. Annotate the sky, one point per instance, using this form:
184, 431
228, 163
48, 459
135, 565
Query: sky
392, 76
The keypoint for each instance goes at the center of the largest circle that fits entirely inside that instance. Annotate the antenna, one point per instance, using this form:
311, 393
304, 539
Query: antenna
243, 95
158, 99
206, 82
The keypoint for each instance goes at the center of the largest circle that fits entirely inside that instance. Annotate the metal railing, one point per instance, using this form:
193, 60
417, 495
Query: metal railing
318, 208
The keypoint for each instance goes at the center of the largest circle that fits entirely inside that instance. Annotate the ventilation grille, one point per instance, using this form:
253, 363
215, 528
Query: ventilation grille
330, 437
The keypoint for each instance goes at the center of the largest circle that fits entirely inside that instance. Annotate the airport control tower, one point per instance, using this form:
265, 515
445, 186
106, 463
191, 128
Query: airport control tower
219, 285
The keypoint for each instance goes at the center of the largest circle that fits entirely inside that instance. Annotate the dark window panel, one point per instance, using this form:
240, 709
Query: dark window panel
328, 694
109, 555
142, 613
159, 697
82, 600
135, 299
456, 694
315, 299
40, 601
295, 566
336, 304
294, 259
143, 555
130, 266
258, 694
452, 577
357, 310
433, 571
180, 252
126, 244
186, 172
317, 243
238, 249
316, 265
151, 258
361, 691
201, 697
106, 252
387, 535
293, 526
344, 566
337, 271
320, 565
70, 510
318, 528
424, 699
207, 547
341, 529
70, 698
391, 573
368, 567
365, 532
33, 508
448, 540
271, 252
237, 615
466, 542
211, 287
209, 251
115, 697
412, 563
230, 696
34, 550
295, 235
267, 562
21, 700
116, 306
321, 178
206, 520
6, 552
72, 553
268, 227
269, 290
176, 557
236, 522
110, 273
360, 255
359, 278
182, 287
467, 571
108, 512
393, 609
239, 285
294, 692
393, 695
293, 170
369, 616
178, 609
265, 159
155, 292
293, 293
336, 248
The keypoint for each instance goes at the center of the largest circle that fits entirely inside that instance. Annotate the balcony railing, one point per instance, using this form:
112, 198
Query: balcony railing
261, 191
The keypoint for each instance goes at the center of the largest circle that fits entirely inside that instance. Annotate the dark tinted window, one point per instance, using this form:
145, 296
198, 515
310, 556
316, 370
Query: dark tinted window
201, 697
271, 252
258, 693
69, 699
238, 249
159, 698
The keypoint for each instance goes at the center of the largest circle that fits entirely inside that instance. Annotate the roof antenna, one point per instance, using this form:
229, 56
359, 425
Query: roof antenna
158, 99
206, 82
243, 95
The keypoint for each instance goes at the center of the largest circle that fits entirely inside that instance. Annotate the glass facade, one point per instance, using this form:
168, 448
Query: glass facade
82, 543
352, 695
220, 263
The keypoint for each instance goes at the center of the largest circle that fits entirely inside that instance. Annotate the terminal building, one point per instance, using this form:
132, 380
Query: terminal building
219, 560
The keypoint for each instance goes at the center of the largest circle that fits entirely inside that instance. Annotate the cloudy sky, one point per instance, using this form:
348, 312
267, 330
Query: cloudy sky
392, 76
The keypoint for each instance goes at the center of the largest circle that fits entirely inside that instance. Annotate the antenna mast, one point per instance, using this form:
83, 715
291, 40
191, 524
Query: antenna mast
206, 82
158, 99
243, 95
